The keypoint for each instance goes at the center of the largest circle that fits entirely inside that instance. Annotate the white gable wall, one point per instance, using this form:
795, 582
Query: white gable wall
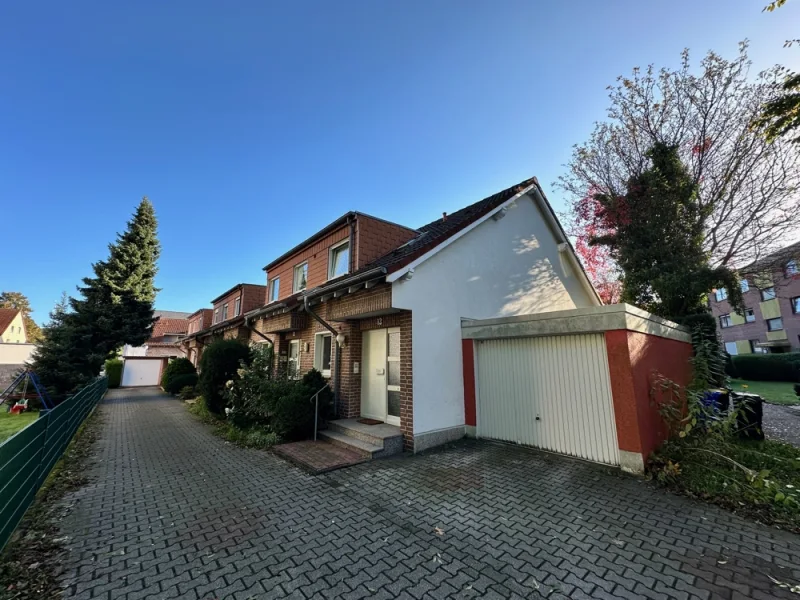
499, 269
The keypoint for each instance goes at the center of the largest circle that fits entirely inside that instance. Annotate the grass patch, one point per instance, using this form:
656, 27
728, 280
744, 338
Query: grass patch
247, 438
759, 480
31, 562
11, 423
774, 392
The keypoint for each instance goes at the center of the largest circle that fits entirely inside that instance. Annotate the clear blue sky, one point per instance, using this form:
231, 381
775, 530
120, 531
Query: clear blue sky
252, 124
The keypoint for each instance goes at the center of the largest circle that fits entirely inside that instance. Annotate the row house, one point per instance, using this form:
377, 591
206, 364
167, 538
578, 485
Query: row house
377, 307
771, 320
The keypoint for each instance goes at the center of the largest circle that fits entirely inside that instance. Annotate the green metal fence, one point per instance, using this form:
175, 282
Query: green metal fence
27, 457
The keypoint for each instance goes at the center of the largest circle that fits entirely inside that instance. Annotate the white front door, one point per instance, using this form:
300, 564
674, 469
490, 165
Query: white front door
380, 378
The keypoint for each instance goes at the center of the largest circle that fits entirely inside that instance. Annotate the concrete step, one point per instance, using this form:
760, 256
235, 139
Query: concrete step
388, 437
342, 440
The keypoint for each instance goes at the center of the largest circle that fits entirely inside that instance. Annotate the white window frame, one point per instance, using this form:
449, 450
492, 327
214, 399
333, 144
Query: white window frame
744, 284
295, 284
296, 373
274, 289
772, 296
237, 306
748, 313
725, 321
795, 305
721, 294
769, 328
791, 268
216, 316
331, 251
731, 346
319, 351
225, 312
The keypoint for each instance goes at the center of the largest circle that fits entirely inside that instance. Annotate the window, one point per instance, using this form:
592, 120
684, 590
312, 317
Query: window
237, 307
300, 278
768, 293
339, 260
730, 348
225, 311
744, 285
756, 348
216, 315
725, 321
796, 305
274, 289
721, 294
749, 315
293, 360
775, 324
791, 268
323, 348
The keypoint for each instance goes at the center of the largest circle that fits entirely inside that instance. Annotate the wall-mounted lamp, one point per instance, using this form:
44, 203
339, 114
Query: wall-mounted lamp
341, 340
407, 275
500, 214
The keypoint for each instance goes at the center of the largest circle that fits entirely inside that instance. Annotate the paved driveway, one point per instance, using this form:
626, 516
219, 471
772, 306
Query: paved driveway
174, 512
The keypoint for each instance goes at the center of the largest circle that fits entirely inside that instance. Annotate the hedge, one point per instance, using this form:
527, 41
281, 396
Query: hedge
219, 364
177, 366
178, 382
114, 372
768, 367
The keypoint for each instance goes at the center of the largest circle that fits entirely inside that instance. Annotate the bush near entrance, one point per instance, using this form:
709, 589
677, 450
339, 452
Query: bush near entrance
177, 366
219, 364
178, 382
768, 367
114, 372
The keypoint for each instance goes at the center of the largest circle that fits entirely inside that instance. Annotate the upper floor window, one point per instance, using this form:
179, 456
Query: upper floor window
791, 268
216, 315
744, 285
725, 321
274, 289
237, 307
775, 324
721, 294
225, 311
768, 293
339, 260
749, 315
796, 305
300, 277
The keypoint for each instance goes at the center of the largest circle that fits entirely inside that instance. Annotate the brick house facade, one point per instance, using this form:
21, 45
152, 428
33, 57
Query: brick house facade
771, 323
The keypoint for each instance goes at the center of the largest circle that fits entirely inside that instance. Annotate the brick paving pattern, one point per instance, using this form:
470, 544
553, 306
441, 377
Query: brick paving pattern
174, 512
318, 457
782, 423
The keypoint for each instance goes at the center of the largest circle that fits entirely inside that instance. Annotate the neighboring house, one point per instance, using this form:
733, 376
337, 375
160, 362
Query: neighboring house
771, 323
12, 327
377, 307
224, 320
143, 365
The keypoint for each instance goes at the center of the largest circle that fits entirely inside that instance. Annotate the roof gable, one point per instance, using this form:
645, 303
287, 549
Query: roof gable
7, 315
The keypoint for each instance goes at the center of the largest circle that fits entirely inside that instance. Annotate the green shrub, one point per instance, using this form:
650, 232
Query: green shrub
768, 367
187, 392
219, 364
177, 366
178, 382
258, 438
114, 372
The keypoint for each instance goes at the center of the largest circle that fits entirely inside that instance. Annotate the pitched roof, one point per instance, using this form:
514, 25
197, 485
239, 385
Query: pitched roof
6, 316
164, 327
238, 286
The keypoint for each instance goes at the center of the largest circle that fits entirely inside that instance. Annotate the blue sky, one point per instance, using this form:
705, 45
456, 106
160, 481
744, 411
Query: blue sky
252, 124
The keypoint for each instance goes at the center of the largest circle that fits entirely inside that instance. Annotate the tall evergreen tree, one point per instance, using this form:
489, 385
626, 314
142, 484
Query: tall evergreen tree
115, 307
655, 233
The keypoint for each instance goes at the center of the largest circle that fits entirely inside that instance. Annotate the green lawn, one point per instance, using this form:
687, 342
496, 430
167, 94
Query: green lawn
776, 392
11, 424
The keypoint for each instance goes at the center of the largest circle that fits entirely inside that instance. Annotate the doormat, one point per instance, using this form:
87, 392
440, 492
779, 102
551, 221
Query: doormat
370, 422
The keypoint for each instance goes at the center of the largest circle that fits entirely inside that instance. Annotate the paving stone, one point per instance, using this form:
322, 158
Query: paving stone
172, 511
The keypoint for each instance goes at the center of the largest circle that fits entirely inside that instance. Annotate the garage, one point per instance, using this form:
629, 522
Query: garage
141, 371
550, 392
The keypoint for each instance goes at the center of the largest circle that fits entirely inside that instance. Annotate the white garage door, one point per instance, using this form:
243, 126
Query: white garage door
551, 392
139, 372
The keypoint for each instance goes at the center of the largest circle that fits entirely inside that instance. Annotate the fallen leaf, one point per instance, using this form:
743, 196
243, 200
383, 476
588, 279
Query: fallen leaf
438, 530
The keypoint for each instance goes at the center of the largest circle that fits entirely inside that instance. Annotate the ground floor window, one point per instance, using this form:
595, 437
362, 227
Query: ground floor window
323, 349
730, 348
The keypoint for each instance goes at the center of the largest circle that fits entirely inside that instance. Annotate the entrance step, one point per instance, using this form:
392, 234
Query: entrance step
370, 441
318, 457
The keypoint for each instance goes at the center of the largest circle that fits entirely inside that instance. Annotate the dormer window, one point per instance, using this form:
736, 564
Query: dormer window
339, 260
225, 312
237, 307
791, 268
300, 277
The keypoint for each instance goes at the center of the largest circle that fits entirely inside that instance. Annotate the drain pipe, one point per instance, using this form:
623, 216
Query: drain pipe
335, 334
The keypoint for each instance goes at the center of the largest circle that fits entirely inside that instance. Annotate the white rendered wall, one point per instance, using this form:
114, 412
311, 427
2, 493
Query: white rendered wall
501, 268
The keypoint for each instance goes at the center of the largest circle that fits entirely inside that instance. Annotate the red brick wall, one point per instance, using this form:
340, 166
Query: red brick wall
252, 297
200, 321
317, 256
470, 400
376, 238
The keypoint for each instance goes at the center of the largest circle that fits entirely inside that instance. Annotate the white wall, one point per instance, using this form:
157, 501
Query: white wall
501, 268
15, 332
16, 354
128, 350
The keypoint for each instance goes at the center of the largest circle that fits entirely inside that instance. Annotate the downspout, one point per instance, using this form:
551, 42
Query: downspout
335, 334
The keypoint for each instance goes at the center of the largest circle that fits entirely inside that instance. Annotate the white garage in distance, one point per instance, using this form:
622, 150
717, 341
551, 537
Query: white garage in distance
142, 371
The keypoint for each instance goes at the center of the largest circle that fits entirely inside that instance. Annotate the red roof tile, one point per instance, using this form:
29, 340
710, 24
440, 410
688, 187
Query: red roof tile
6, 316
164, 327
